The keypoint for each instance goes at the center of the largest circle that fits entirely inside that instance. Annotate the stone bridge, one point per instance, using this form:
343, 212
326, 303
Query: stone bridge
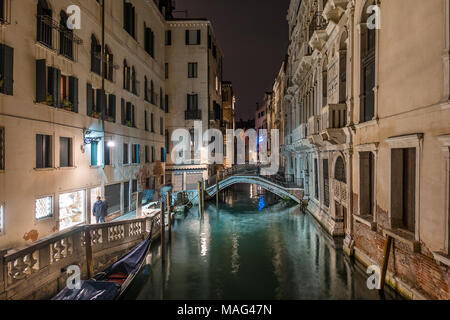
250, 175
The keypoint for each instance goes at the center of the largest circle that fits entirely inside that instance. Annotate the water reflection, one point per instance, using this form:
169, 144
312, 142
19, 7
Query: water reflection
240, 252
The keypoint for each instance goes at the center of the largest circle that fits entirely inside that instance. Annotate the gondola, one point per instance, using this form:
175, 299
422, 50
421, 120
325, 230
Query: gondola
112, 283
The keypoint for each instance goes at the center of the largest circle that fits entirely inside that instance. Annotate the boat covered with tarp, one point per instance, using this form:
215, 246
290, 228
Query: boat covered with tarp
112, 283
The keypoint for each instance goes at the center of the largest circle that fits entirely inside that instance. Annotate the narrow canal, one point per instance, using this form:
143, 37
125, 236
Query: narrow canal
254, 247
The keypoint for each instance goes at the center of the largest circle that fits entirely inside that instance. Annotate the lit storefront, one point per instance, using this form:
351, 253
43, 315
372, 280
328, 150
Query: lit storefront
72, 209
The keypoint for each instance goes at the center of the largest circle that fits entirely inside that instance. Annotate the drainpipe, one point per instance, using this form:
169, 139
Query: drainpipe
103, 76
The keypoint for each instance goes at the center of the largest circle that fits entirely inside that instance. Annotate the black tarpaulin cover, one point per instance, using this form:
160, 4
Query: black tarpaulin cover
91, 290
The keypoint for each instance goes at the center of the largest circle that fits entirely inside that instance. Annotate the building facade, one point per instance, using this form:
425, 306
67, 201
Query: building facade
194, 86
368, 116
229, 116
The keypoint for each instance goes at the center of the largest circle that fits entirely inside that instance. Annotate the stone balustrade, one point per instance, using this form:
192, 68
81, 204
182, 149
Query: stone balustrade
38, 271
314, 126
334, 116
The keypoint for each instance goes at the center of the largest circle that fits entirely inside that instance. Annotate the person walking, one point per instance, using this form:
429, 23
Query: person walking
98, 210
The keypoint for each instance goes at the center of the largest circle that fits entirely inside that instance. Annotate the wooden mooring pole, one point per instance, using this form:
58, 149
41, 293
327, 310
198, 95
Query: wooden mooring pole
163, 232
217, 188
387, 252
199, 195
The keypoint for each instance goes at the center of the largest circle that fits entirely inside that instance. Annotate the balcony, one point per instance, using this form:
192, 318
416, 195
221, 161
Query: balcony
334, 119
299, 133
334, 10
193, 115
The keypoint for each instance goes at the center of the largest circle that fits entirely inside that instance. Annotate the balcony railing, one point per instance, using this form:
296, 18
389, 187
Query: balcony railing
193, 114
57, 37
334, 116
32, 271
300, 133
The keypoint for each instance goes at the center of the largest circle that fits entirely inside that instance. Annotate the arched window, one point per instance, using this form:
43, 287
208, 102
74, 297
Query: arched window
108, 64
44, 24
96, 50
343, 69
368, 52
339, 170
65, 37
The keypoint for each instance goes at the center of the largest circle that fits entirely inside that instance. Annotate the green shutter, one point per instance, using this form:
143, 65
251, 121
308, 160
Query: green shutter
41, 81
73, 93
123, 113
112, 106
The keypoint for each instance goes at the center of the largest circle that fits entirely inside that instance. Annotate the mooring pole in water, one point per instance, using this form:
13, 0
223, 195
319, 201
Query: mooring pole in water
163, 232
217, 188
387, 251
199, 190
169, 213
203, 184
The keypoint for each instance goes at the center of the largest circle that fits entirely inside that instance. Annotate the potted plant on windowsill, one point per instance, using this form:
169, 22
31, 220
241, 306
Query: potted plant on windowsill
49, 100
130, 124
67, 105
96, 115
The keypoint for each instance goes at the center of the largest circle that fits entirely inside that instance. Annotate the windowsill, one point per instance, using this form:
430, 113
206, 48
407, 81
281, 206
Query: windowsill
370, 123
367, 220
96, 167
404, 236
442, 258
44, 169
67, 168
46, 219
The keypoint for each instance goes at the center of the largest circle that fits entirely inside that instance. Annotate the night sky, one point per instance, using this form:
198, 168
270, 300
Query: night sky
253, 35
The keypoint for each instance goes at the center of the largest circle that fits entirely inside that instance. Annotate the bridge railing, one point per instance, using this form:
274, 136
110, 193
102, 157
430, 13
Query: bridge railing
255, 171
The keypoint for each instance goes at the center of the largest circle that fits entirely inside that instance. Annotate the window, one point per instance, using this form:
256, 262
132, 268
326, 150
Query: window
152, 123
168, 37
134, 82
2, 148
65, 37
193, 37
368, 53
108, 64
192, 101
125, 153
65, 152
5, 13
153, 154
146, 92
192, 70
126, 76
129, 19
167, 140
147, 158
161, 99
149, 41
44, 208
326, 183
96, 53
44, 24
134, 186
161, 125
403, 186
107, 153
95, 159
163, 155
152, 93
146, 120
43, 151
128, 114
6, 69
367, 183
135, 155
167, 104
72, 209
111, 114
166, 70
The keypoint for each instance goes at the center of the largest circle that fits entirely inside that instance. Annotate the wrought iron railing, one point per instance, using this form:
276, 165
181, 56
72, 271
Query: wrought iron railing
193, 114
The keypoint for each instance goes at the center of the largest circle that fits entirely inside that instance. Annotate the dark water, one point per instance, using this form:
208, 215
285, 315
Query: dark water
251, 249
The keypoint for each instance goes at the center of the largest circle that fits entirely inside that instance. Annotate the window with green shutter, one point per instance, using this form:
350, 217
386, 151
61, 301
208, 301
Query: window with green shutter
6, 69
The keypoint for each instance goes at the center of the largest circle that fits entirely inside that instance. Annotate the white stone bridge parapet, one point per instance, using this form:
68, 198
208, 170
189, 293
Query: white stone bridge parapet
38, 271
249, 174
